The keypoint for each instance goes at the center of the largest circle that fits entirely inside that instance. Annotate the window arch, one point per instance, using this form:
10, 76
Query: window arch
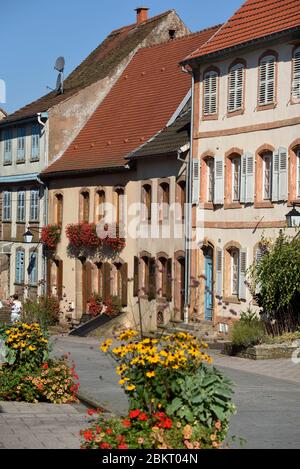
267, 79
210, 92
233, 176
236, 79
296, 75
58, 209
100, 198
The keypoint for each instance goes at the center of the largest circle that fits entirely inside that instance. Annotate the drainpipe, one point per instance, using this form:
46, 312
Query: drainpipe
44, 115
188, 217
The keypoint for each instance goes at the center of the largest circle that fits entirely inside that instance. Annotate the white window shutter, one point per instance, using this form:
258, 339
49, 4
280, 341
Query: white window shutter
283, 174
275, 177
219, 181
236, 85
296, 75
242, 274
243, 178
210, 93
249, 197
196, 181
219, 270
267, 80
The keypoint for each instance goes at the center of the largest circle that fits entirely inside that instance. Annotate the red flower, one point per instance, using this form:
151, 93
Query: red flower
91, 412
167, 423
126, 423
134, 413
45, 366
120, 438
143, 417
108, 431
123, 446
105, 446
98, 429
88, 435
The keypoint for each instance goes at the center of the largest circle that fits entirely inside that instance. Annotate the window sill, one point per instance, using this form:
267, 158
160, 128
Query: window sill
266, 204
238, 112
232, 205
34, 160
293, 201
209, 206
266, 107
7, 163
212, 117
19, 284
232, 299
20, 162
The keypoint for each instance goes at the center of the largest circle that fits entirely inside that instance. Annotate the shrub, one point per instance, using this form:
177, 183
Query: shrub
172, 376
140, 430
113, 306
44, 310
95, 304
245, 334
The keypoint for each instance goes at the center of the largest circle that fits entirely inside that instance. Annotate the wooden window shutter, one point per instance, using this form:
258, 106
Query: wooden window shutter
242, 273
59, 284
210, 93
152, 279
196, 180
275, 177
124, 277
219, 270
283, 174
106, 280
219, 181
249, 197
267, 80
296, 75
136, 263
169, 280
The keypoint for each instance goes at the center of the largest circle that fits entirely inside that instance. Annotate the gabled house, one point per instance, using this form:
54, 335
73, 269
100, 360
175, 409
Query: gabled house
246, 118
40, 132
105, 167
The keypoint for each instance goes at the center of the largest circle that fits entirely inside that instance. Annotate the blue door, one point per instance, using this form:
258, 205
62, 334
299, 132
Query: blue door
209, 294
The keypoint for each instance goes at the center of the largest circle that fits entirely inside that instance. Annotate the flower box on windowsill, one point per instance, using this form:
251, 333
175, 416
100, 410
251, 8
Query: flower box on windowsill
50, 236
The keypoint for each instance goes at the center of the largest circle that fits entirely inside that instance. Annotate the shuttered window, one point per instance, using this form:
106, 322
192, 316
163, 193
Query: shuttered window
236, 88
234, 270
242, 274
21, 144
21, 206
34, 205
35, 142
20, 266
7, 206
296, 75
236, 178
210, 93
196, 181
267, 176
7, 138
210, 179
247, 178
267, 80
280, 175
219, 180
219, 269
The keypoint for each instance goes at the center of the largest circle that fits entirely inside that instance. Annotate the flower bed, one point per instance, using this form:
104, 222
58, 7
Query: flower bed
28, 374
176, 398
50, 236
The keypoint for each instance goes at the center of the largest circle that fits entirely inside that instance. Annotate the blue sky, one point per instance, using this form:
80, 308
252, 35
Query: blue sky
34, 33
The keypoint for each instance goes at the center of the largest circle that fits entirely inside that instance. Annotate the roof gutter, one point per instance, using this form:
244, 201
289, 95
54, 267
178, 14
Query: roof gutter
81, 172
243, 45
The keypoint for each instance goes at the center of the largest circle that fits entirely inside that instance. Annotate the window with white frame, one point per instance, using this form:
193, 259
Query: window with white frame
34, 205
20, 266
298, 173
234, 260
6, 206
210, 164
267, 176
32, 269
21, 144
7, 142
236, 178
210, 93
21, 206
236, 87
296, 75
35, 142
267, 78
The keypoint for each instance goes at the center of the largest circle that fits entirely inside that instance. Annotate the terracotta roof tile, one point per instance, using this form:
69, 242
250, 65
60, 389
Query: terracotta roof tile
253, 20
137, 107
112, 51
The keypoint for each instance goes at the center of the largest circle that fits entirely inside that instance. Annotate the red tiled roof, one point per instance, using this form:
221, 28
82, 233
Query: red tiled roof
112, 51
253, 20
137, 107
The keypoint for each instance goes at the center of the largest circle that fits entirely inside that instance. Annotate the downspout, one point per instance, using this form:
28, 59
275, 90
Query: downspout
188, 217
45, 218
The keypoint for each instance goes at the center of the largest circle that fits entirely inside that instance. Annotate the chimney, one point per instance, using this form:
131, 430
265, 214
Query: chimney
141, 14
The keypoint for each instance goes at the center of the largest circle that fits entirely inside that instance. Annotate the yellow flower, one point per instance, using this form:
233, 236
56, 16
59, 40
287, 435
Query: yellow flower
104, 347
131, 387
123, 381
175, 367
150, 374
32, 348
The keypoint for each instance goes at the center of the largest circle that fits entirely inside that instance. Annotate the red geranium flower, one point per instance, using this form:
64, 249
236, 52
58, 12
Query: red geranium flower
134, 413
108, 431
143, 417
105, 446
91, 412
126, 423
167, 423
123, 446
45, 366
88, 435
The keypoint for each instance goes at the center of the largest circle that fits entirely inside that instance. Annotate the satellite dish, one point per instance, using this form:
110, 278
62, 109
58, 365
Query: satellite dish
60, 64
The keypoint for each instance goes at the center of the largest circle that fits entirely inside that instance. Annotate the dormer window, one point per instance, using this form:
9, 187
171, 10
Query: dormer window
236, 88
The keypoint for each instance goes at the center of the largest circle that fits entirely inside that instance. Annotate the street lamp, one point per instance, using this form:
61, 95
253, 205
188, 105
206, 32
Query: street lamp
28, 236
293, 218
